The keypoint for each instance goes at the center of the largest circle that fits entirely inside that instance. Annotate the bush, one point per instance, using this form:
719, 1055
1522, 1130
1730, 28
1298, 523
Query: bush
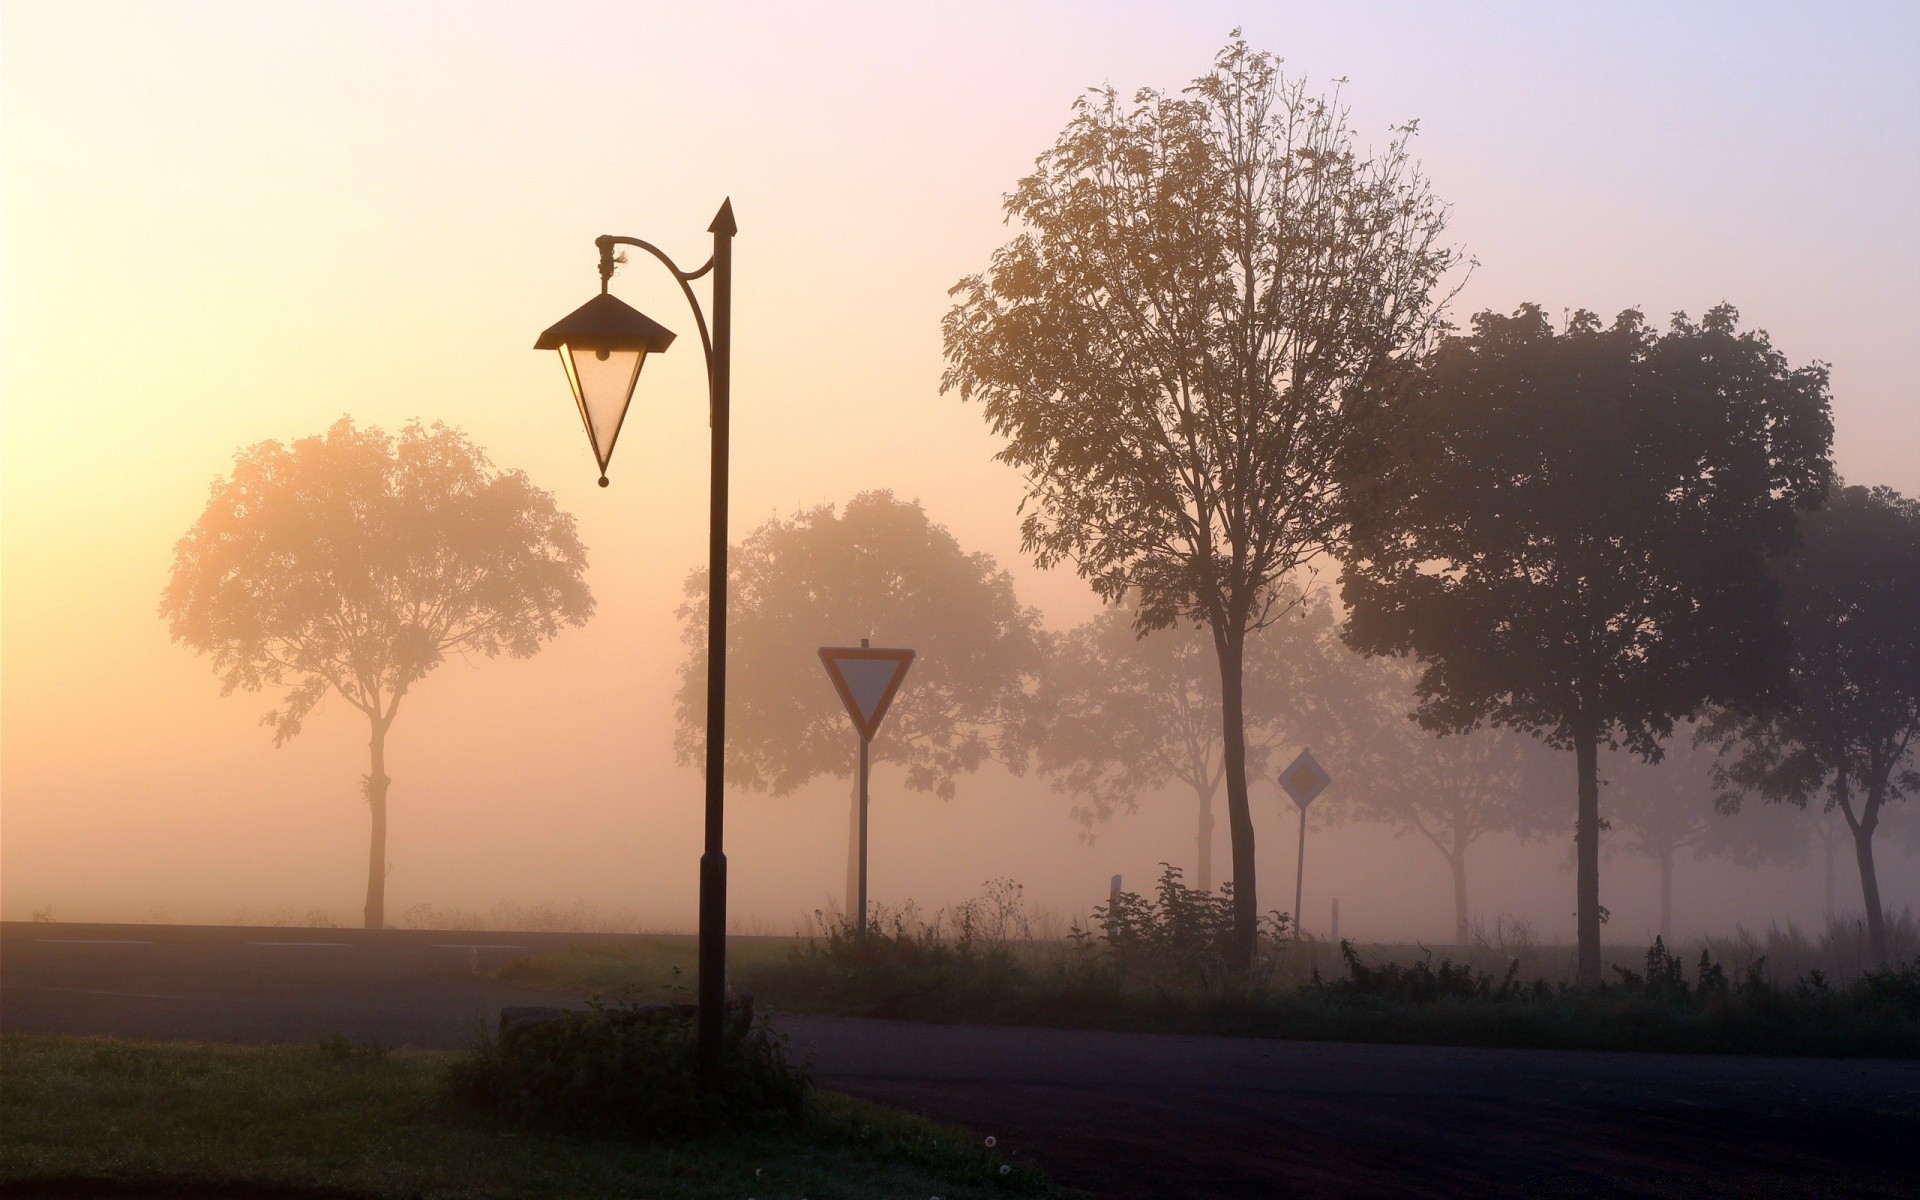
1181, 937
903, 966
630, 1069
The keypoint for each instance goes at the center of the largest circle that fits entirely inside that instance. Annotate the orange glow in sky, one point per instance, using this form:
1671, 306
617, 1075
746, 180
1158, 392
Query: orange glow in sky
227, 222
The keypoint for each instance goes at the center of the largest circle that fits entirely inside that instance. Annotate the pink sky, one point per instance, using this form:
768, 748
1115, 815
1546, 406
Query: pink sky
231, 222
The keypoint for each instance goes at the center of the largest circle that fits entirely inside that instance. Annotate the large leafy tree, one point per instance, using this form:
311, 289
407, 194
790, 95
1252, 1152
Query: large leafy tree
1449, 792
1851, 734
354, 563
1205, 284
879, 568
1571, 531
1125, 715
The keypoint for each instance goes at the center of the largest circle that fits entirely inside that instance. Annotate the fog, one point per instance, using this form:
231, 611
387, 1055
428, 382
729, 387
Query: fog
228, 224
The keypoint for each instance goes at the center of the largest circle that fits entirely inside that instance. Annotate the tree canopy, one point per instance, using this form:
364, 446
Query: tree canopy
355, 562
1449, 791
1175, 343
1849, 734
1124, 714
876, 568
1571, 530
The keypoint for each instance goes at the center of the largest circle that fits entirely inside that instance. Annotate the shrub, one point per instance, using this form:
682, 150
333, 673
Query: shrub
630, 1069
1181, 936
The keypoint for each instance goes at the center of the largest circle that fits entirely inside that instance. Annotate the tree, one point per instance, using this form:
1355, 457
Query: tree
1571, 531
1659, 811
877, 568
1175, 344
1850, 733
1450, 791
1125, 714
356, 562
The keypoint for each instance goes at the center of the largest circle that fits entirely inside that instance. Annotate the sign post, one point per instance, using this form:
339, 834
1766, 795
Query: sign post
866, 679
1303, 779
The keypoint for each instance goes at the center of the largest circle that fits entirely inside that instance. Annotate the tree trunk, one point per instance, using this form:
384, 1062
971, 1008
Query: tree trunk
1586, 838
1666, 895
1458, 861
1203, 875
1826, 844
1870, 892
1230, 644
1862, 829
377, 782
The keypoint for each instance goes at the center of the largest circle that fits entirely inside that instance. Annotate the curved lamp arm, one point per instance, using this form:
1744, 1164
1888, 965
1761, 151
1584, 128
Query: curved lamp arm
607, 242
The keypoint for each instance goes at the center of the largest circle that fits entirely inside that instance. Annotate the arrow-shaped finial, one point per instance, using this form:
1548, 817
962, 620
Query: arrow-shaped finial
723, 220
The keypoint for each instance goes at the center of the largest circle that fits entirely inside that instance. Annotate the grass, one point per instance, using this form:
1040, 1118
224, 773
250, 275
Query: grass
377, 1123
1332, 993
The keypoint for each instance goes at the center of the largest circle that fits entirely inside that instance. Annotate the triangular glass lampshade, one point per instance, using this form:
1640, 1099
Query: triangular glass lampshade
602, 345
602, 383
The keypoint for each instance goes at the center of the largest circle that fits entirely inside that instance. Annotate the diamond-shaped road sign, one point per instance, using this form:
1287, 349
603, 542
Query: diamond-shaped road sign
1304, 779
866, 678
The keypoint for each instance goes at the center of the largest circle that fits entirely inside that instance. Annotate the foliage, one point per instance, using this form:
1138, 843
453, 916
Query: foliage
1449, 791
1204, 285
1851, 736
194, 1119
1180, 935
633, 1069
357, 562
903, 966
1663, 809
1125, 714
878, 567
1571, 532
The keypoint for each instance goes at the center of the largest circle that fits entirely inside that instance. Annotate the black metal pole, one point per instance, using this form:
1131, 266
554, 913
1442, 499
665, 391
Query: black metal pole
1300, 873
862, 926
713, 861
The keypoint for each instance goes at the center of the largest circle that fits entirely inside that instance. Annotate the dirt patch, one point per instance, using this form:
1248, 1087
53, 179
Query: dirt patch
82, 1188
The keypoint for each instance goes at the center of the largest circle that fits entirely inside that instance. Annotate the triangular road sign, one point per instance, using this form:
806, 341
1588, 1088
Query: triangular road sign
866, 678
1304, 779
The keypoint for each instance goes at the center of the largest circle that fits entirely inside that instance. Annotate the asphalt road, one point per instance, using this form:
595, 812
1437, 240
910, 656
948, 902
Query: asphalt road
1123, 1115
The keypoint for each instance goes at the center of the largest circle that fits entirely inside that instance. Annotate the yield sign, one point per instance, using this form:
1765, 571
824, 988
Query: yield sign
866, 679
1304, 779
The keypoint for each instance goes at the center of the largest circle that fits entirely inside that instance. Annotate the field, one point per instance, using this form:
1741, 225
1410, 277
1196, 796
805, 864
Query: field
80, 1115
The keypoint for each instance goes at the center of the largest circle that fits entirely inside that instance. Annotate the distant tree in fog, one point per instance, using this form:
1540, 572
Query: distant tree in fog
1851, 734
1178, 347
1124, 714
878, 568
1450, 791
1661, 810
1571, 531
356, 562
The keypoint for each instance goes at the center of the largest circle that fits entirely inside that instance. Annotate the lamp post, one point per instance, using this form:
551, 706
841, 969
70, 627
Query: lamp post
603, 344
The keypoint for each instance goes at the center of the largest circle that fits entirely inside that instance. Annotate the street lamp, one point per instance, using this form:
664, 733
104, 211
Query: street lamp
603, 344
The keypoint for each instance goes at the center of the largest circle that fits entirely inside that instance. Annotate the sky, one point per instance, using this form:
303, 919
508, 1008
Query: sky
222, 223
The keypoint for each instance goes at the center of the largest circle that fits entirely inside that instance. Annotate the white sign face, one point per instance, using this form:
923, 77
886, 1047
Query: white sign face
866, 679
1304, 779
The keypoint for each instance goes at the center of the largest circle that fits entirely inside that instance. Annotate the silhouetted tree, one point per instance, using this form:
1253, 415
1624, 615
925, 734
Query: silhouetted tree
1124, 714
1853, 605
878, 568
1571, 532
1172, 346
1661, 810
356, 562
1451, 791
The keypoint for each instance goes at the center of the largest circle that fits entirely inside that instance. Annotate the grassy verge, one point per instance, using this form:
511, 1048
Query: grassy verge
1659, 1009
375, 1123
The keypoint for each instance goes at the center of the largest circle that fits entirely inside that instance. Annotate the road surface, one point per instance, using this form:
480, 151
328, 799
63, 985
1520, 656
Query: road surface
1120, 1114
